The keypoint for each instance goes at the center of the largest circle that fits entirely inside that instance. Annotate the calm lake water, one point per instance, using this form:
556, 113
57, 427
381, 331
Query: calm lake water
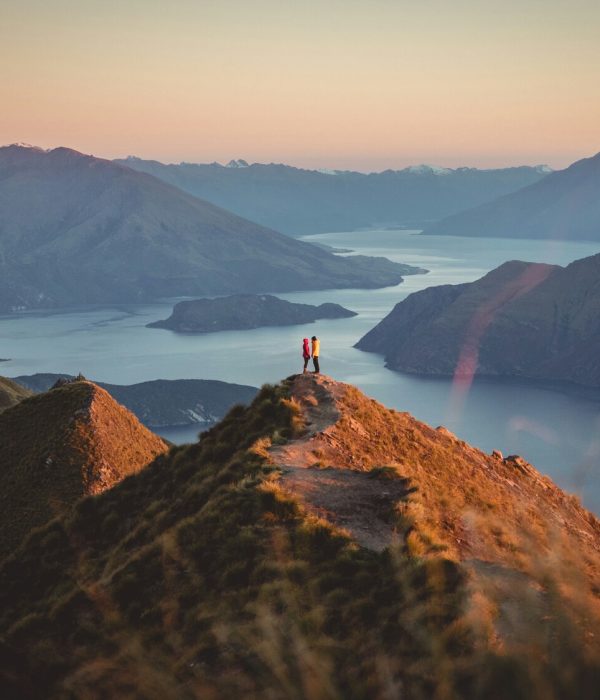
557, 431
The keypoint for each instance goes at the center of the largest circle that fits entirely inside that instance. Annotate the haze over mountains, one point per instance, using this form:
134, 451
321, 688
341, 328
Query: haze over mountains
563, 205
520, 320
298, 201
80, 230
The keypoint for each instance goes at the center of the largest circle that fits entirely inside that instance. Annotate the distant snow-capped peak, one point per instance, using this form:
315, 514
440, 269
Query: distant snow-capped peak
22, 144
239, 163
543, 168
424, 169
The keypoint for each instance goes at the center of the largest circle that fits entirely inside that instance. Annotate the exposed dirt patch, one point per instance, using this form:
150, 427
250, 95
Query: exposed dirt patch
326, 480
317, 396
351, 500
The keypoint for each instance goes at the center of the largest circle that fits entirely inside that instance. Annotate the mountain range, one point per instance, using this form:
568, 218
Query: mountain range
313, 544
564, 205
298, 201
81, 230
522, 319
59, 446
158, 403
244, 311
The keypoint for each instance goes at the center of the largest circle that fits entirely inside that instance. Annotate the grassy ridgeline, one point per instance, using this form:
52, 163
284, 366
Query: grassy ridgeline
199, 577
11, 393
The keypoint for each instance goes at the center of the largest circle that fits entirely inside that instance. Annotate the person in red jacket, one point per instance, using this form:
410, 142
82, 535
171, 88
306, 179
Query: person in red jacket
305, 353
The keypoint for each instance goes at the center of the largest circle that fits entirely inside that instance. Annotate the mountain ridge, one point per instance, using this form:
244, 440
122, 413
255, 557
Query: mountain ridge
300, 201
423, 168
343, 531
562, 206
160, 403
59, 446
527, 320
81, 230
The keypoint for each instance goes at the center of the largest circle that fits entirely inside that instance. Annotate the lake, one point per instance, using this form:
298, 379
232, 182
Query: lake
556, 430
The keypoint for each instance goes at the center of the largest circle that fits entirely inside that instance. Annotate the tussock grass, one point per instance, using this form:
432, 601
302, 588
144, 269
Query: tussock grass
58, 446
201, 577
11, 393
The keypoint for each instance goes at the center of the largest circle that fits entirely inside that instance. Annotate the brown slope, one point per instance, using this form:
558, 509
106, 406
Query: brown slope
61, 445
11, 393
208, 575
512, 527
193, 579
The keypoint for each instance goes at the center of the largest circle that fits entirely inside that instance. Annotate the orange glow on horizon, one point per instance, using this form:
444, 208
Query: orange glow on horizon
352, 84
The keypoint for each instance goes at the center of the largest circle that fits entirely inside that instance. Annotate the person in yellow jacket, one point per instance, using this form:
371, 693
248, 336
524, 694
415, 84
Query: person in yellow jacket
316, 346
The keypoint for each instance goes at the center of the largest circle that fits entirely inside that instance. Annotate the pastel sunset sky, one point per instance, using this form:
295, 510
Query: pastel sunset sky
355, 84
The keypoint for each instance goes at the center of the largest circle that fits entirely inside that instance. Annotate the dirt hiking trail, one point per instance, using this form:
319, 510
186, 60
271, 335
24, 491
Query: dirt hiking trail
333, 485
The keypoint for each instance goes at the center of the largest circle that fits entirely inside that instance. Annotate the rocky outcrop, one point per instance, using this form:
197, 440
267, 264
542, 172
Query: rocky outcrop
521, 320
244, 311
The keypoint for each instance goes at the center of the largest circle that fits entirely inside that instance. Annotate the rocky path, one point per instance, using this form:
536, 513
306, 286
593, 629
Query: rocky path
355, 501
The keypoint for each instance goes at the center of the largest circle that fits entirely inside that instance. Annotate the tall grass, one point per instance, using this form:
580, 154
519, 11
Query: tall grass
201, 578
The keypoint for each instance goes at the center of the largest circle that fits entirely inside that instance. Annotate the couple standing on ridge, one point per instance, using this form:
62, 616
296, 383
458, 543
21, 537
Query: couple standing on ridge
313, 351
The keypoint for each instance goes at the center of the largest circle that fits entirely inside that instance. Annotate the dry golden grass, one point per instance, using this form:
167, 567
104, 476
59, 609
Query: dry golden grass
508, 524
61, 445
11, 393
203, 577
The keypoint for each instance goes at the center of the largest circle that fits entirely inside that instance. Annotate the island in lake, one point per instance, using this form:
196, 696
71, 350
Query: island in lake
243, 312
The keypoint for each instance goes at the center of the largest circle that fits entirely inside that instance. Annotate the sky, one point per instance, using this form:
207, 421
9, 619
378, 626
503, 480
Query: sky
357, 84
